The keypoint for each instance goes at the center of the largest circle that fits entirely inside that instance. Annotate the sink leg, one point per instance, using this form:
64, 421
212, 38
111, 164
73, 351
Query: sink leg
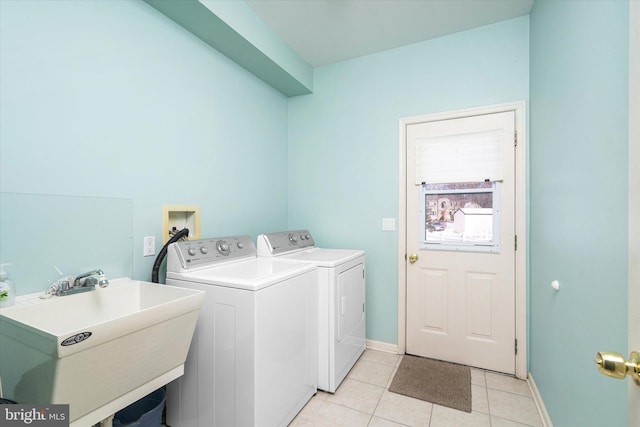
107, 422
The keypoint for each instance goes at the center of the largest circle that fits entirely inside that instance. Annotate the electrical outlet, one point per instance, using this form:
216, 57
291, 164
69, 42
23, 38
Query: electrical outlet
149, 246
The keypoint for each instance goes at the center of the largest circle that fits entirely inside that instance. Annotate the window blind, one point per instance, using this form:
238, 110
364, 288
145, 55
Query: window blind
470, 157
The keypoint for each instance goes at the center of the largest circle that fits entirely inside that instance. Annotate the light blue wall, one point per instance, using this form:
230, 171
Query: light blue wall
113, 99
578, 193
343, 140
59, 226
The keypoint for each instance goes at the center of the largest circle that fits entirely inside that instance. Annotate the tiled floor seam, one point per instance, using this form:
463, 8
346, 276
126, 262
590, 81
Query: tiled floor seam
391, 421
510, 392
486, 393
377, 404
353, 409
513, 421
368, 383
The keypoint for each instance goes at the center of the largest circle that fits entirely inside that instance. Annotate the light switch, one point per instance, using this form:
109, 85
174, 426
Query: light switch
388, 224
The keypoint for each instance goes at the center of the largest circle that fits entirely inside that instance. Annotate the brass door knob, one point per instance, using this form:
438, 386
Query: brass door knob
413, 258
616, 366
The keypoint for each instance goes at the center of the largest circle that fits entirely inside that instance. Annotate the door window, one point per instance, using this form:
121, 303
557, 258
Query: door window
460, 216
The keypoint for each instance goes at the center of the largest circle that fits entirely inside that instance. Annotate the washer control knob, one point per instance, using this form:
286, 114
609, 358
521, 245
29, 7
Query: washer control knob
191, 251
223, 247
293, 239
240, 245
204, 249
306, 236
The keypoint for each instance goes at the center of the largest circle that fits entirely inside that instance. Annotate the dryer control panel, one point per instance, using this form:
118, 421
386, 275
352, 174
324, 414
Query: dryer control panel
196, 253
284, 241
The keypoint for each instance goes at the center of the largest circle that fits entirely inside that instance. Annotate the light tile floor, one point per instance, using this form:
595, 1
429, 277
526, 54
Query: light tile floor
363, 399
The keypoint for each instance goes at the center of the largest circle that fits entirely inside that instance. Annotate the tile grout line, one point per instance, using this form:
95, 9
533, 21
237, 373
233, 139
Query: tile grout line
486, 393
385, 388
487, 388
396, 365
510, 392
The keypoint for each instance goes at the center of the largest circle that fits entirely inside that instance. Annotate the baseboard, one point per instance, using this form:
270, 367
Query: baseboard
382, 346
542, 410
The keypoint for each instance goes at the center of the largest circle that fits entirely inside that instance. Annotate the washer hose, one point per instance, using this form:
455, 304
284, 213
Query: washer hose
163, 252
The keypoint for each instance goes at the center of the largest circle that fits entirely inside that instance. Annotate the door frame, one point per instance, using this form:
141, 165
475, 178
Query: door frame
521, 220
634, 204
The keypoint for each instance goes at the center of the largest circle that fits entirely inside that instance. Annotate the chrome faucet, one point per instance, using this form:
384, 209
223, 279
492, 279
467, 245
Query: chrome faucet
82, 283
86, 279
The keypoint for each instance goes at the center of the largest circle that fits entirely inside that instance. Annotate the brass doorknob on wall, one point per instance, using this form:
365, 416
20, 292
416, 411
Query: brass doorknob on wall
616, 366
413, 258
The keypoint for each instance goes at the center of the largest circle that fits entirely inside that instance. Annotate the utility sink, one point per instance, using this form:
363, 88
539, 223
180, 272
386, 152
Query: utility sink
97, 351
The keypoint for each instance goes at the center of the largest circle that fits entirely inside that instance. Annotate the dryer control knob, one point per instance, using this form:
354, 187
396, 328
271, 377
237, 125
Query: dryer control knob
293, 239
240, 245
204, 249
191, 251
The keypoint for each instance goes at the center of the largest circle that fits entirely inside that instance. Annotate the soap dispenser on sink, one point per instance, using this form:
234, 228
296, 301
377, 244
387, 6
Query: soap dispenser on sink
7, 289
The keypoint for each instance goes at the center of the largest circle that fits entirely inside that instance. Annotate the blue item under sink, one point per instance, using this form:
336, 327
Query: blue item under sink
146, 412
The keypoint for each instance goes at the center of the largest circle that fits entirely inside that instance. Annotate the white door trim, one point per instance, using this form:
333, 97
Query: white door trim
520, 221
634, 201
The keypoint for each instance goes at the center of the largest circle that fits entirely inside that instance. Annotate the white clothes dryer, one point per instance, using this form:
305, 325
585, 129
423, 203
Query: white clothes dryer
253, 358
341, 299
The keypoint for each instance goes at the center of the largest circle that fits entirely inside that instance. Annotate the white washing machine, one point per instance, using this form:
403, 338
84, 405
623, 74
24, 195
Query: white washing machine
253, 358
341, 299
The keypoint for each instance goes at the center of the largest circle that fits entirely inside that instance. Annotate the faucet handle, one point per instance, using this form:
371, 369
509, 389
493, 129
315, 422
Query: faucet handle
59, 285
87, 281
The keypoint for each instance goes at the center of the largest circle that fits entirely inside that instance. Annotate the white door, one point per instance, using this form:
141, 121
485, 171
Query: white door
460, 242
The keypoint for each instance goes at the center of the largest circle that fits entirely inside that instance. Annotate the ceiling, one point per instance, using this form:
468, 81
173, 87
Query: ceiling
327, 31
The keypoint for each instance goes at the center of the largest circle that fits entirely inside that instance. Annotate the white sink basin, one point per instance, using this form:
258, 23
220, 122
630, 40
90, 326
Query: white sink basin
97, 351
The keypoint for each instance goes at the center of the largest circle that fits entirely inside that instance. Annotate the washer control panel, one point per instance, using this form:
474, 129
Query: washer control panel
284, 241
192, 253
